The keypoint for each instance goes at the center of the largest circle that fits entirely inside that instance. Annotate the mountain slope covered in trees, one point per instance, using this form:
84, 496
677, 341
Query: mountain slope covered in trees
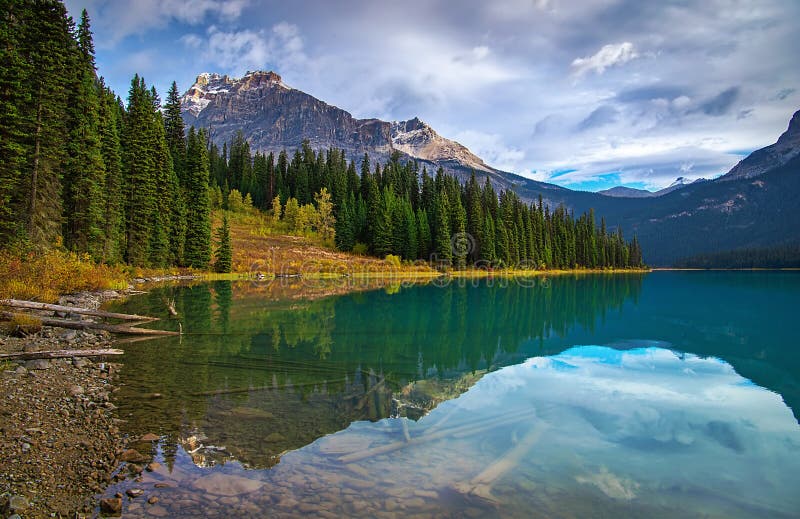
399, 210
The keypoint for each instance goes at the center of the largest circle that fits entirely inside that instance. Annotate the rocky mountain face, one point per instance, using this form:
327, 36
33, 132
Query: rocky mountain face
274, 117
778, 154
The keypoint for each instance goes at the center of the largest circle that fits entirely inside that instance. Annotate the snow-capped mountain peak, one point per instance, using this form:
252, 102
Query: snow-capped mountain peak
209, 85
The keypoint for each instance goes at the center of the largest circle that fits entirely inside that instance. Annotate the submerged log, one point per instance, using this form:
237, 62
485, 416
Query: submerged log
59, 354
88, 325
481, 485
34, 305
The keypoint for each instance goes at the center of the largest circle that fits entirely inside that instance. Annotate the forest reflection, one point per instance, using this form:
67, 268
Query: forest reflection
264, 369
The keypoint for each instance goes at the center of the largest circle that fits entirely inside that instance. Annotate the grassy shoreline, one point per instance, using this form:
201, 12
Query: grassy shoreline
46, 276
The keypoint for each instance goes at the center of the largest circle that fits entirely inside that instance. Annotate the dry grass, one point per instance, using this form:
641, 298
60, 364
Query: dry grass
44, 276
259, 247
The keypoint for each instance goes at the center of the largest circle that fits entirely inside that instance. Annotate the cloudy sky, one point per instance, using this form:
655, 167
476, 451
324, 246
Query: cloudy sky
586, 94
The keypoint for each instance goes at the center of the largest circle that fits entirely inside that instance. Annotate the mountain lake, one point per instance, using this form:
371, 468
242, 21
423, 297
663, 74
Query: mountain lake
668, 394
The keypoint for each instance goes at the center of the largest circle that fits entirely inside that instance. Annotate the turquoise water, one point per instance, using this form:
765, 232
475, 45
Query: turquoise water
672, 394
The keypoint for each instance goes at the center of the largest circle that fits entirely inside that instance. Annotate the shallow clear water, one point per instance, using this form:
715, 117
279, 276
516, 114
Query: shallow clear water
673, 394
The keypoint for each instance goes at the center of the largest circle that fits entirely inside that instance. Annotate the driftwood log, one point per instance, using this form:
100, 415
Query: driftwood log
34, 305
59, 354
89, 325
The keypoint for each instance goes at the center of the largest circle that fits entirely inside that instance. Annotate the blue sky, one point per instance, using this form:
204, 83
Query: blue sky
630, 92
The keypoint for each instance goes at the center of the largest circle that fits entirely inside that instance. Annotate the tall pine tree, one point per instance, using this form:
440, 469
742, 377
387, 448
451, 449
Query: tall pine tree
197, 251
84, 172
139, 173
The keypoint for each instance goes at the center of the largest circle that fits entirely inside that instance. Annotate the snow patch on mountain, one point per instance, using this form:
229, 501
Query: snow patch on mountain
208, 86
417, 139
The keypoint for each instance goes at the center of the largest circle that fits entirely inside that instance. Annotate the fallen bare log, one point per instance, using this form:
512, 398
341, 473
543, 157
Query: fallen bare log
481, 485
34, 305
88, 325
59, 354
462, 431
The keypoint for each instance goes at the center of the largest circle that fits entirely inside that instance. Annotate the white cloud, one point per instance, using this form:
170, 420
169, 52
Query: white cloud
492, 149
480, 52
235, 52
609, 56
115, 20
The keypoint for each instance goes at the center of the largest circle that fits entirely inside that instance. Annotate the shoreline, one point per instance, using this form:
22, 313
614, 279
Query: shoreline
410, 275
61, 442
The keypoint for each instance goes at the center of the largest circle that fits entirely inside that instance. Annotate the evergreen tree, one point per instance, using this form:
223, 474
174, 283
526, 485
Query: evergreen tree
84, 171
345, 232
475, 221
423, 234
460, 240
223, 254
47, 47
441, 238
113, 215
383, 232
487, 253
170, 208
139, 173
175, 133
410, 242
197, 251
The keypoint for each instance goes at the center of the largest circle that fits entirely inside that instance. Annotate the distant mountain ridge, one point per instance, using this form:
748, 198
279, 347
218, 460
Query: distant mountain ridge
630, 192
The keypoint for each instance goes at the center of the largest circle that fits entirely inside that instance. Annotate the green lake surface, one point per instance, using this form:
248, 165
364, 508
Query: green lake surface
669, 394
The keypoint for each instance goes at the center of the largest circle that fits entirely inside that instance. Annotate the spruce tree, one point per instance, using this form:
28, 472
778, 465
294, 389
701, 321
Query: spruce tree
197, 251
139, 173
167, 239
113, 215
441, 239
423, 234
460, 240
383, 229
411, 242
487, 252
84, 172
47, 47
223, 254
345, 232
474, 216
175, 133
